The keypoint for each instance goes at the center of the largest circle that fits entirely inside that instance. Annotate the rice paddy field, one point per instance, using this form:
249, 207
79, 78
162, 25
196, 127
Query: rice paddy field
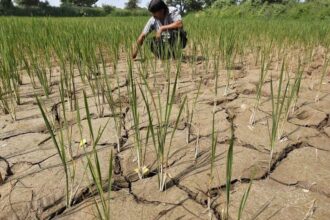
237, 127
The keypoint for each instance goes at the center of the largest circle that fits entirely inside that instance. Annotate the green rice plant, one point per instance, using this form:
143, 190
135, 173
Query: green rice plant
39, 66
117, 115
10, 66
71, 77
297, 86
61, 134
60, 147
244, 200
190, 111
7, 104
66, 62
278, 105
228, 45
159, 130
323, 73
295, 89
133, 98
204, 47
193, 61
9, 81
229, 167
28, 68
214, 140
94, 167
7, 99
96, 82
265, 63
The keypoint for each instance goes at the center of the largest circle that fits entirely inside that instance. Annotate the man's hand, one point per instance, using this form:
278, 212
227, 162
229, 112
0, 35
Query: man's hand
134, 54
159, 33
139, 43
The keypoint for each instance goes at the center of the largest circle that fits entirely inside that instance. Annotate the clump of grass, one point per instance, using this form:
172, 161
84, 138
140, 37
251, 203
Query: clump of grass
278, 105
61, 150
295, 89
265, 62
41, 69
244, 200
116, 115
214, 140
133, 98
159, 130
190, 111
7, 104
229, 167
323, 73
60, 131
228, 53
9, 81
94, 167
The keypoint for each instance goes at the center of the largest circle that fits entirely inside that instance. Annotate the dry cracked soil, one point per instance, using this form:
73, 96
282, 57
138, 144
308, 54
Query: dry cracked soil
294, 185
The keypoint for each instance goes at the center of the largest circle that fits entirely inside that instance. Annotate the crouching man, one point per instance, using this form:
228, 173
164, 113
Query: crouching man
167, 23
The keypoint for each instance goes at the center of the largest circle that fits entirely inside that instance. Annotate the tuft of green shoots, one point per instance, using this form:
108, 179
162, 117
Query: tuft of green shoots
94, 167
132, 92
159, 130
278, 103
229, 168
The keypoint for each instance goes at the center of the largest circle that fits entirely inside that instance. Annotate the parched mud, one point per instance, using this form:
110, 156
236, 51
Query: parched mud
293, 184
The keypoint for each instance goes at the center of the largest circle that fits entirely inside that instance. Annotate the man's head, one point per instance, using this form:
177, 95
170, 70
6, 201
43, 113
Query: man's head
158, 8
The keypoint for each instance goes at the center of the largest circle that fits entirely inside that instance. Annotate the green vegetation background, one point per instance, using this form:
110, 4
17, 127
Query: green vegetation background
309, 10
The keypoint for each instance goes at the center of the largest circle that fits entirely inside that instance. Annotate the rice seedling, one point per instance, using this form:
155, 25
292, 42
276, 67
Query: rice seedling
293, 90
244, 200
265, 62
96, 83
132, 92
61, 150
159, 130
94, 167
278, 104
204, 47
116, 115
7, 103
228, 53
214, 141
61, 134
229, 167
39, 69
189, 122
291, 97
323, 73
10, 81
190, 112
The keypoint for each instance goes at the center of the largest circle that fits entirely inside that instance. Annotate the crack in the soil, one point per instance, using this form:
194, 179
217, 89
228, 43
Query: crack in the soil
281, 156
8, 173
302, 185
194, 197
324, 123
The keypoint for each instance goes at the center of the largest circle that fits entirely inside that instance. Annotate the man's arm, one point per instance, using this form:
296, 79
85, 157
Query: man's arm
139, 43
147, 29
175, 25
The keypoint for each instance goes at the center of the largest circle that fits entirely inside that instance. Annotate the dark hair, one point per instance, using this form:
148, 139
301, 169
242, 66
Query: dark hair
157, 5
